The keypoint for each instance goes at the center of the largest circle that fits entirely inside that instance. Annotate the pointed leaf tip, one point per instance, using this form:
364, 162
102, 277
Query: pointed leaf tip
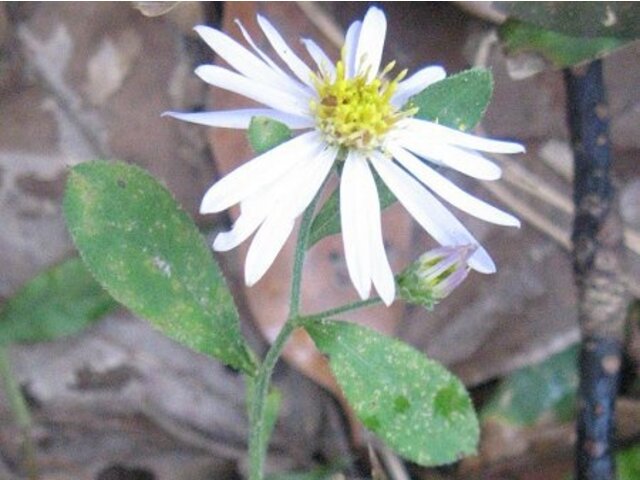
148, 254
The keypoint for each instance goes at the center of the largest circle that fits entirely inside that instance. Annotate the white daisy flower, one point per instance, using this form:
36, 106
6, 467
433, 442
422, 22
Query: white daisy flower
348, 112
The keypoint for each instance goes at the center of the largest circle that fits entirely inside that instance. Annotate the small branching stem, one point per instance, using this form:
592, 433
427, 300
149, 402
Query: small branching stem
369, 302
598, 268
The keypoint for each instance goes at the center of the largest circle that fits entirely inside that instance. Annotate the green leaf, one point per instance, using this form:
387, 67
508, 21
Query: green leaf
458, 101
546, 389
327, 220
579, 19
147, 252
628, 463
559, 49
414, 404
59, 301
265, 134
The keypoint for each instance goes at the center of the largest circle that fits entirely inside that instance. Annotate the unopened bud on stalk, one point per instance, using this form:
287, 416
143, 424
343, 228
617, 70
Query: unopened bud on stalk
435, 275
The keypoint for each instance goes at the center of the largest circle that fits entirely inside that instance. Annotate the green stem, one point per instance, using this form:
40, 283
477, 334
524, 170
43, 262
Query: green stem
342, 309
20, 411
298, 260
257, 440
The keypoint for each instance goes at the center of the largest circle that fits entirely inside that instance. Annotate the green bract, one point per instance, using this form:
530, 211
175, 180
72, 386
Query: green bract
149, 255
414, 404
265, 134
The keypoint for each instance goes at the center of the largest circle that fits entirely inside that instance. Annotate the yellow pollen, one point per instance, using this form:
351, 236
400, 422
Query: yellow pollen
356, 113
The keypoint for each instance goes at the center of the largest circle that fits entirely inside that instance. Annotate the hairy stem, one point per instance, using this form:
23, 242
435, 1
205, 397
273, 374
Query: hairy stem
257, 440
341, 309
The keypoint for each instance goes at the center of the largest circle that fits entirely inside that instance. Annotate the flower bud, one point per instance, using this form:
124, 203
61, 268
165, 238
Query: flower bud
435, 275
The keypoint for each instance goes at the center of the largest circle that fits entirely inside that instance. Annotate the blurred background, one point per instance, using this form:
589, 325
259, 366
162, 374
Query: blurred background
84, 81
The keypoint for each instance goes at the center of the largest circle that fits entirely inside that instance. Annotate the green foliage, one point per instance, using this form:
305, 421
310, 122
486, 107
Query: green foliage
546, 389
60, 301
559, 49
628, 463
414, 404
150, 257
458, 101
265, 134
579, 19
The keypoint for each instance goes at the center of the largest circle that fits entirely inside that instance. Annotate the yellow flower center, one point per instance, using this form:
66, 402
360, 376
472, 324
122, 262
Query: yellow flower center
356, 113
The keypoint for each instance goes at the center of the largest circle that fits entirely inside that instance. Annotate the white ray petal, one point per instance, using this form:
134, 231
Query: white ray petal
371, 42
293, 198
350, 48
260, 171
308, 184
239, 57
242, 118
324, 63
461, 139
262, 201
381, 273
244, 226
286, 78
255, 48
266, 245
430, 213
297, 66
450, 192
464, 161
417, 83
265, 94
356, 236
289, 192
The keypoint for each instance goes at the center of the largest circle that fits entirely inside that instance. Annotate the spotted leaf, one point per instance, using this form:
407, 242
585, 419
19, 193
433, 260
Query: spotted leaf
411, 402
148, 254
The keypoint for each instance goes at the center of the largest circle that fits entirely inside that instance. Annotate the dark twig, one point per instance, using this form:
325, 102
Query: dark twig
597, 254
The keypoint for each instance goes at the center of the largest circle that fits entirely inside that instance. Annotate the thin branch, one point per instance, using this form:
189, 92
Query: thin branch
598, 260
323, 22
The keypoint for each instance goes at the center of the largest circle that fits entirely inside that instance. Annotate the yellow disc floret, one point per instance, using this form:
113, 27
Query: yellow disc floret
355, 113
